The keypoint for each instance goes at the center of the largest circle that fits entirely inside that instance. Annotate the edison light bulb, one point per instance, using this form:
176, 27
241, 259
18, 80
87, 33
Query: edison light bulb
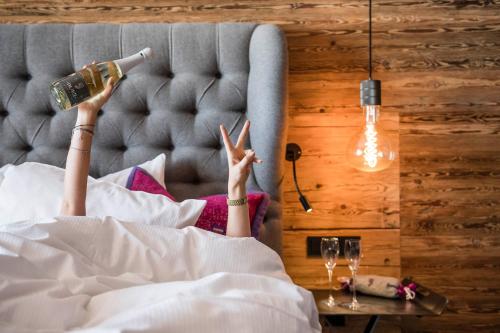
371, 148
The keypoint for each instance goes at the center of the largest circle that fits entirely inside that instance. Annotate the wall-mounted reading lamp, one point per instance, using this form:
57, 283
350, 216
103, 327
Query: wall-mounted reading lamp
293, 153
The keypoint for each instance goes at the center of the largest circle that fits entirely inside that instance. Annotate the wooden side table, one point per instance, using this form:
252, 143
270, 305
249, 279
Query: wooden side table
377, 306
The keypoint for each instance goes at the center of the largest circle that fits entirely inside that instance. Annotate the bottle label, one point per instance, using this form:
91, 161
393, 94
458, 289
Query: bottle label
75, 87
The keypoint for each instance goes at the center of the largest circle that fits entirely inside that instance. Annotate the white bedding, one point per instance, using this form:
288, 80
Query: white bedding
103, 275
34, 190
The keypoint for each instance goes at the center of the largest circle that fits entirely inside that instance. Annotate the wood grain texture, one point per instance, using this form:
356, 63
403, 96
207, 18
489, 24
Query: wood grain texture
342, 197
439, 61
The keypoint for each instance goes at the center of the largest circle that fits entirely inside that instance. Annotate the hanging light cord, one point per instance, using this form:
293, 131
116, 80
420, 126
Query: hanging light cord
370, 39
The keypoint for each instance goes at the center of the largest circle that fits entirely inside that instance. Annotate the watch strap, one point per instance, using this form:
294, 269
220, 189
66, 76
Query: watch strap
237, 202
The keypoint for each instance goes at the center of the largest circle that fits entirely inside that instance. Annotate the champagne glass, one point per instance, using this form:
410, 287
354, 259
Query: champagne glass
330, 252
352, 253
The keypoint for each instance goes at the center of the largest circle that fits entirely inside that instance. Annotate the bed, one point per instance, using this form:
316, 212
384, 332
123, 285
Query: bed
202, 75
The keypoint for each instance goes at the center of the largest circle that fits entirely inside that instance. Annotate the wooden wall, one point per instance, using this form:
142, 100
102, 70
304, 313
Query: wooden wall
440, 66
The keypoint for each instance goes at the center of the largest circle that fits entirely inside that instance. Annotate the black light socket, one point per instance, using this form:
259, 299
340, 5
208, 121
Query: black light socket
370, 92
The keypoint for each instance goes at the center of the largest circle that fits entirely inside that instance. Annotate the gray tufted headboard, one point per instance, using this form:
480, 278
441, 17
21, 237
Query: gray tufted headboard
202, 75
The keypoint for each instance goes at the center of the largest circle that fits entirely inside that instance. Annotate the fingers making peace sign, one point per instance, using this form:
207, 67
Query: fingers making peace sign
239, 160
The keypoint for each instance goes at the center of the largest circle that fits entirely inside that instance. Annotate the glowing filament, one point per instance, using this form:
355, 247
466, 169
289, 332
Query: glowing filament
370, 152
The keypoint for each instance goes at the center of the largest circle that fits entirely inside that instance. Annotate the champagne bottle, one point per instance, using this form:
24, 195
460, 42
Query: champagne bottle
89, 82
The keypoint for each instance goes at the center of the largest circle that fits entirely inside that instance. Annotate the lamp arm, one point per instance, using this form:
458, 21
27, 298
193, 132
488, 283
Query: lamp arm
296, 183
293, 153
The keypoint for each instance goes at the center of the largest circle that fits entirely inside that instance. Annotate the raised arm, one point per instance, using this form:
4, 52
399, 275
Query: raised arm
78, 160
240, 163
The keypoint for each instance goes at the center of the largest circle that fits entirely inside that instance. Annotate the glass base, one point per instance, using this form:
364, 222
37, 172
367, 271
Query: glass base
352, 306
329, 302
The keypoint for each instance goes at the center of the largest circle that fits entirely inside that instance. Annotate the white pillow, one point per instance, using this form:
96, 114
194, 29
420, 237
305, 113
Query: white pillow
3, 170
155, 167
34, 190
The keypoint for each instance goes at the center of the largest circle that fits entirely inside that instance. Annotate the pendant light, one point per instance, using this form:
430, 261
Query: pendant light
371, 148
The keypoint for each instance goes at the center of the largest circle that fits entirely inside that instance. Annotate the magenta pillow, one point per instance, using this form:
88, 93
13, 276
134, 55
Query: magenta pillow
140, 180
214, 215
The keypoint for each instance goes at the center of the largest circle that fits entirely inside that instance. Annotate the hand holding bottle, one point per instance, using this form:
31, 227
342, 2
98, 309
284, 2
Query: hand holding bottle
87, 111
92, 79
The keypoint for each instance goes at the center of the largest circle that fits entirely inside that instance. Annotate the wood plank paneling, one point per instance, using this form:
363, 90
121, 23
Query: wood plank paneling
341, 196
440, 66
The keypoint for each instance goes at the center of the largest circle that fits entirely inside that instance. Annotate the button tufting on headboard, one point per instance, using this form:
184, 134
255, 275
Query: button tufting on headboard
196, 181
202, 75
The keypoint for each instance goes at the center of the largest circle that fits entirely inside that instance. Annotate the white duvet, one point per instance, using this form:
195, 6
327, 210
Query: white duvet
103, 275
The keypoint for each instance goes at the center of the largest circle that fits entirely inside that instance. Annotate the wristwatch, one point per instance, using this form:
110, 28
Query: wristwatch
237, 202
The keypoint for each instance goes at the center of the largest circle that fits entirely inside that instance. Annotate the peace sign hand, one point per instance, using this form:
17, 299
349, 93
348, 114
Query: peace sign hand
239, 160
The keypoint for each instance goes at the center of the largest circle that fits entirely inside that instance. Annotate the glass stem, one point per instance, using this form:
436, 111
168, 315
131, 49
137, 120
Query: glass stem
330, 283
354, 300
